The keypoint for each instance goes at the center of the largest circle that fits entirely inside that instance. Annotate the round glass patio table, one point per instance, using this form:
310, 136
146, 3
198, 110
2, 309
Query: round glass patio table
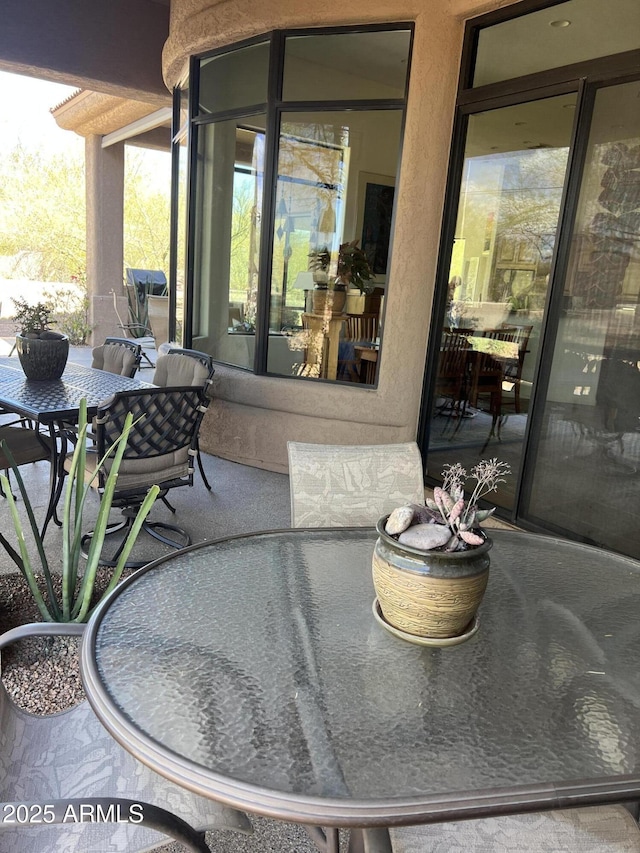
252, 670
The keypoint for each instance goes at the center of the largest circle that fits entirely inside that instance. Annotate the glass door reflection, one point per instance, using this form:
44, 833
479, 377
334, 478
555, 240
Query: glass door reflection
511, 190
586, 475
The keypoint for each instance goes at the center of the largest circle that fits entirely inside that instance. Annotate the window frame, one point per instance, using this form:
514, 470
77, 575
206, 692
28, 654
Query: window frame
273, 109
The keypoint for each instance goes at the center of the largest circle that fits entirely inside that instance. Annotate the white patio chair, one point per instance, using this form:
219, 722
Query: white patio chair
139, 333
592, 829
54, 765
351, 485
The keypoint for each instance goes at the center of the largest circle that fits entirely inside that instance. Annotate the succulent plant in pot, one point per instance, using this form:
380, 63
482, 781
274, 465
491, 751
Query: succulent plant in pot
431, 562
42, 352
457, 519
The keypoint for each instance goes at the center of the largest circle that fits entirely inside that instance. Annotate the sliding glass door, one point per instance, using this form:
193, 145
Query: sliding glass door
513, 175
534, 353
585, 473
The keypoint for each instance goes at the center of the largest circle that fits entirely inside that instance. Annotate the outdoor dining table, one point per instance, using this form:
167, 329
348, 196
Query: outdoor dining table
54, 402
252, 671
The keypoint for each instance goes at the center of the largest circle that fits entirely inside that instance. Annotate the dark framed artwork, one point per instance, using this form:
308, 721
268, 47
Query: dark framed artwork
376, 209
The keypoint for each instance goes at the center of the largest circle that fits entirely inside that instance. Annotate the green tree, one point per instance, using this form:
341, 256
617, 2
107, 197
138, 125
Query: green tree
146, 210
42, 214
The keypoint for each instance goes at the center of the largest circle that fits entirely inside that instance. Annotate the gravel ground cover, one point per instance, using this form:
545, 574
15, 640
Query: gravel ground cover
41, 674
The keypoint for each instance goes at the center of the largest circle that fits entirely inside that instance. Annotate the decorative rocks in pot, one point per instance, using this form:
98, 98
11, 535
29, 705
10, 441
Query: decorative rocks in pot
42, 352
431, 563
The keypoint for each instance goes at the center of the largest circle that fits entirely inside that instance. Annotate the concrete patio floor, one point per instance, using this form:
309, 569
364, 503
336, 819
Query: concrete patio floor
242, 499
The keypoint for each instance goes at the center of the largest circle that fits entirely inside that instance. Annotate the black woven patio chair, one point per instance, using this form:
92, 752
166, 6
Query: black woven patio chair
26, 444
160, 451
181, 366
117, 355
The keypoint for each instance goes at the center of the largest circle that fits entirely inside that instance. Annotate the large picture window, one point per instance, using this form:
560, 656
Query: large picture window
290, 222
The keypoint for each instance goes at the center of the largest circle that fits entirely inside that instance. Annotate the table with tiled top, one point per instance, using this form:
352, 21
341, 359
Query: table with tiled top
56, 401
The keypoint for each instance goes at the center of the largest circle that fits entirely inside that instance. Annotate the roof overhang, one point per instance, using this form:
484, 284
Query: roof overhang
115, 119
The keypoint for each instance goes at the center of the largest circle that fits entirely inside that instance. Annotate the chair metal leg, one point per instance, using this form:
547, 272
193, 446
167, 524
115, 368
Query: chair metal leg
327, 840
56, 476
153, 528
165, 501
373, 840
200, 466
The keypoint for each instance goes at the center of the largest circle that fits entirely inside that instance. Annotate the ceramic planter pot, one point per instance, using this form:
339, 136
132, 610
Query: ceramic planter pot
332, 300
428, 593
43, 358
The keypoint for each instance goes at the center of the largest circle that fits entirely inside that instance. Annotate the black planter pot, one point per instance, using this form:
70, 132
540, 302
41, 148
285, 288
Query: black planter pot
43, 358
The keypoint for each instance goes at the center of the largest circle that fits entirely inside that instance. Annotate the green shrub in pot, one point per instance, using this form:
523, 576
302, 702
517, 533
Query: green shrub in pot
42, 352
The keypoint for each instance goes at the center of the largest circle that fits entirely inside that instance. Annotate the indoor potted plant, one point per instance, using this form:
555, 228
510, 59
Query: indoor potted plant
354, 271
431, 562
42, 352
325, 295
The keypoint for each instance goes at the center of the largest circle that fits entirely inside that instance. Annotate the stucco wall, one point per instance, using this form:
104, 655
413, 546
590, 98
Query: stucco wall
252, 417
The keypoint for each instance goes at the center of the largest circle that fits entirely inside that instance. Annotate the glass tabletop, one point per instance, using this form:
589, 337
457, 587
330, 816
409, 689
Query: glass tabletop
253, 670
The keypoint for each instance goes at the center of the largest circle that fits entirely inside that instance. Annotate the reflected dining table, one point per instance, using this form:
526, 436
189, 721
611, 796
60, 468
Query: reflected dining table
51, 403
252, 671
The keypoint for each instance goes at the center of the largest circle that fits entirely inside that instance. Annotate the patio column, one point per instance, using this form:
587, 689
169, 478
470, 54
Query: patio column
105, 200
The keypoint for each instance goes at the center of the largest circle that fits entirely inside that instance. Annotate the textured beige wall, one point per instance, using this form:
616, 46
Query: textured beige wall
252, 417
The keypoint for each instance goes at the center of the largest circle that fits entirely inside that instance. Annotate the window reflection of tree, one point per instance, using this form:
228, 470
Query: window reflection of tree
311, 187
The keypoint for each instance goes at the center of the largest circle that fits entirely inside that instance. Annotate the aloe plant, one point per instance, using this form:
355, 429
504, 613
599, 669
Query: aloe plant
74, 604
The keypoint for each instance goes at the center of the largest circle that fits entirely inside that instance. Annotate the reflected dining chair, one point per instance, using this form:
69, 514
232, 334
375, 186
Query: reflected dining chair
117, 355
361, 327
180, 366
513, 371
360, 330
351, 485
452, 378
